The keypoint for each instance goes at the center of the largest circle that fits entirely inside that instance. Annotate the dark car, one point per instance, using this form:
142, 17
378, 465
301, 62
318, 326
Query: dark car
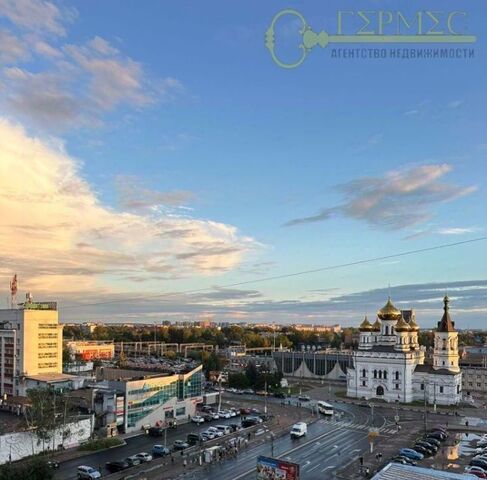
52, 464
476, 462
433, 441
443, 432
428, 445
420, 449
156, 431
194, 438
249, 422
437, 435
235, 427
403, 460
116, 466
207, 417
244, 411
180, 445
279, 395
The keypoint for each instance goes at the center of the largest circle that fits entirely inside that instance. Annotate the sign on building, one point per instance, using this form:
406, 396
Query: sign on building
274, 469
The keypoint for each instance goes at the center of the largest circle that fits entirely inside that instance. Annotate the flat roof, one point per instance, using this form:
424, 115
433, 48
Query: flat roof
397, 471
51, 377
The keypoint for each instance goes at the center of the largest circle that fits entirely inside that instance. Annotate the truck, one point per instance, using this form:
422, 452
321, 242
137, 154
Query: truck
299, 430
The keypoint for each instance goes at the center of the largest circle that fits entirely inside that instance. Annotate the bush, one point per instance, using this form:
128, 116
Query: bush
101, 444
34, 469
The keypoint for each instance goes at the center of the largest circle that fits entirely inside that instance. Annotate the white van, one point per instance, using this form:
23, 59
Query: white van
225, 429
299, 430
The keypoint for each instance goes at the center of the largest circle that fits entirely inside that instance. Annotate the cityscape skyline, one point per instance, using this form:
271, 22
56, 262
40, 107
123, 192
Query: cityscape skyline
128, 170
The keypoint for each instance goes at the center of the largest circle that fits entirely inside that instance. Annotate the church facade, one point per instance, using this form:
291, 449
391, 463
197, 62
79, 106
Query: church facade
390, 363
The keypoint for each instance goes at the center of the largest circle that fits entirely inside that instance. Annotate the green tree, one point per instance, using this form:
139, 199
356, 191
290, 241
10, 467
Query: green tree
238, 380
252, 373
34, 469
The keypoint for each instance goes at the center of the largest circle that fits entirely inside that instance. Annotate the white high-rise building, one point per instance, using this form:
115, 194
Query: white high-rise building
30, 345
389, 363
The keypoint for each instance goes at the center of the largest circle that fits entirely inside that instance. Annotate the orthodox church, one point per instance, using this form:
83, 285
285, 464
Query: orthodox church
390, 364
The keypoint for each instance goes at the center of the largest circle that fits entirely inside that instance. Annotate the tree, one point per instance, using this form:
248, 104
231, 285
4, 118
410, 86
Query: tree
251, 373
67, 355
34, 469
238, 380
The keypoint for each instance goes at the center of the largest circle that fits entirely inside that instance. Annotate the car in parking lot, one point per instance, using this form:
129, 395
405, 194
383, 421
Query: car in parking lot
224, 414
207, 417
410, 453
478, 462
477, 471
180, 445
304, 398
215, 431
279, 395
197, 419
424, 451
160, 451
402, 459
433, 441
144, 457
209, 434
437, 435
235, 427
249, 422
214, 415
116, 466
428, 446
86, 472
224, 428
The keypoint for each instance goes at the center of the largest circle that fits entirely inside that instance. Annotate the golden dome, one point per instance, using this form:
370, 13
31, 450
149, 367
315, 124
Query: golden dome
365, 326
413, 325
402, 325
376, 325
389, 311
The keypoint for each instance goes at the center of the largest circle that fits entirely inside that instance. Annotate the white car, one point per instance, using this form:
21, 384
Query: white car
474, 470
144, 457
207, 433
224, 414
233, 412
197, 419
214, 415
215, 431
88, 473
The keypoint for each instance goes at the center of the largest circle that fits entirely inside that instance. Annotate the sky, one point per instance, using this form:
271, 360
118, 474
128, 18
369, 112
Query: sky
155, 161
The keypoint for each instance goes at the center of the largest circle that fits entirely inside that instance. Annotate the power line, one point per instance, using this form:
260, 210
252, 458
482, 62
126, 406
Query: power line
286, 275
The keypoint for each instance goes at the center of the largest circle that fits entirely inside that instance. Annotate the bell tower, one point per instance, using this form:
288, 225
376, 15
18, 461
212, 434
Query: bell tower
445, 355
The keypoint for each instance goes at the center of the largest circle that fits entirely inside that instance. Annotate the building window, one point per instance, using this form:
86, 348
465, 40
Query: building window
363, 383
422, 386
441, 389
458, 388
397, 375
385, 374
375, 373
380, 373
397, 386
364, 373
180, 411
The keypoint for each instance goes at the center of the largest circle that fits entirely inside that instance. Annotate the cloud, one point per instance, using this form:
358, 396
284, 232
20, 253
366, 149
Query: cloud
455, 104
11, 48
58, 236
133, 196
36, 15
400, 199
457, 230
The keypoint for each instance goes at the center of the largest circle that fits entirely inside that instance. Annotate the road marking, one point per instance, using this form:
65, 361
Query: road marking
312, 468
328, 468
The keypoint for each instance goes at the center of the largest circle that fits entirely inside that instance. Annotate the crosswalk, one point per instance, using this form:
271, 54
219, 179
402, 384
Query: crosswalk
360, 426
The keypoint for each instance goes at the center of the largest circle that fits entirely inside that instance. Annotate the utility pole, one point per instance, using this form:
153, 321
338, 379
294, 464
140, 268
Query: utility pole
265, 396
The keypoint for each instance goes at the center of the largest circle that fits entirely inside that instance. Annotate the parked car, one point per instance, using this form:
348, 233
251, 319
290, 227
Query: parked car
477, 462
244, 411
52, 464
404, 460
410, 453
224, 428
214, 415
215, 431
206, 408
207, 433
116, 466
433, 441
477, 471
133, 460
156, 431
233, 412
279, 395
88, 473
249, 422
198, 419
235, 427
180, 445
425, 451
207, 417
144, 457
437, 435
224, 414
428, 446
194, 438
248, 391
160, 451
480, 451
304, 398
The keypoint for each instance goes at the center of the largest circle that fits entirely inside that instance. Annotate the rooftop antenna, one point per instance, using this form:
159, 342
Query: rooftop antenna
13, 292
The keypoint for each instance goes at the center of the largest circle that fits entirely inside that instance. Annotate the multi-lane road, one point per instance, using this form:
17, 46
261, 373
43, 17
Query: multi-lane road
328, 445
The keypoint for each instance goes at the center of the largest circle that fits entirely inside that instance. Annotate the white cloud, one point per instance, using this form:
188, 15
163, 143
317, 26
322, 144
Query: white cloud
12, 49
457, 230
59, 237
400, 199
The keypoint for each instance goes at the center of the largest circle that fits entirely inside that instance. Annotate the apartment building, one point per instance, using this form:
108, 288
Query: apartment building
30, 345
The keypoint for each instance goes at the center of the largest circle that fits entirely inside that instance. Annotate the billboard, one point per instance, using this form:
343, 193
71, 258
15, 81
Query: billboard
275, 469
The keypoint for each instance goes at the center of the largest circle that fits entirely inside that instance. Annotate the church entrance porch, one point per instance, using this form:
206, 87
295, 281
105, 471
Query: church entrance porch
379, 391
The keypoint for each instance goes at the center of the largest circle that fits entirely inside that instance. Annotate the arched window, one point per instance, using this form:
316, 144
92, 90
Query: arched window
380, 373
397, 375
385, 374
364, 373
387, 329
375, 373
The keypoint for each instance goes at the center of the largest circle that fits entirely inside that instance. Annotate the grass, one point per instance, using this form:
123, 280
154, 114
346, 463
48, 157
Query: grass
100, 444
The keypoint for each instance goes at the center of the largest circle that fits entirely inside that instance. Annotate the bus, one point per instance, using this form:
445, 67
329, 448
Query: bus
325, 408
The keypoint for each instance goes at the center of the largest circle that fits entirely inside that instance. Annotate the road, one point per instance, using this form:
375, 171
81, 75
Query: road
329, 444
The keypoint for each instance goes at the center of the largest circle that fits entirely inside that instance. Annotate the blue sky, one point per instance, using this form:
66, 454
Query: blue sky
166, 152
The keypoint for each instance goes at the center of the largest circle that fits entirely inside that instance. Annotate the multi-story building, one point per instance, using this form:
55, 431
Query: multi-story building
152, 398
30, 345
